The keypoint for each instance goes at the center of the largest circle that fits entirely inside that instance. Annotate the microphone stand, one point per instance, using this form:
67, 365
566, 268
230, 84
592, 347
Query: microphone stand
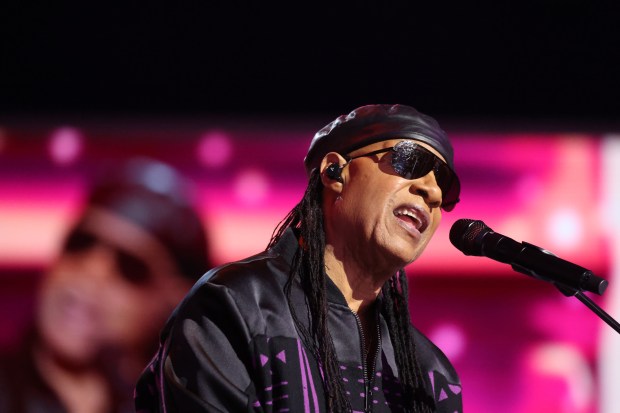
570, 292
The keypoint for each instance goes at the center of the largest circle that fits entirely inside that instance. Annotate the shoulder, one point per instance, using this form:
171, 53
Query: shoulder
432, 359
440, 375
244, 295
247, 279
245, 290
251, 278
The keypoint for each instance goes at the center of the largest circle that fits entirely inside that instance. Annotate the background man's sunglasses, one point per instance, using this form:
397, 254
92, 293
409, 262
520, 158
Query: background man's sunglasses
412, 161
131, 268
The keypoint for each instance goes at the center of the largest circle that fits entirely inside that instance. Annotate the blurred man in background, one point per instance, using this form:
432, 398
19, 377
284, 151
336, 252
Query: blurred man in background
132, 255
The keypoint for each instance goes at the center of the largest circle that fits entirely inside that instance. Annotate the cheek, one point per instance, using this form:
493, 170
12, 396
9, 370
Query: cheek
124, 302
436, 217
430, 231
129, 307
57, 284
64, 271
365, 212
377, 198
129, 315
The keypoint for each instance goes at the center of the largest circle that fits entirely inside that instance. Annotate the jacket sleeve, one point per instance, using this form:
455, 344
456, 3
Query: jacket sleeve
440, 376
206, 367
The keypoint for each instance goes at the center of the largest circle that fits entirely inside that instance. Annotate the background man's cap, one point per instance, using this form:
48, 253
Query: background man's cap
155, 197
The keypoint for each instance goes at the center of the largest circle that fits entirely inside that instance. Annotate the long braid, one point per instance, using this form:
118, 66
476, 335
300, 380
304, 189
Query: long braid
396, 313
309, 263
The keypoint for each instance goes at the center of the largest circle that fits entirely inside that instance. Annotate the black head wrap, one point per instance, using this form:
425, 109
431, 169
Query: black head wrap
375, 123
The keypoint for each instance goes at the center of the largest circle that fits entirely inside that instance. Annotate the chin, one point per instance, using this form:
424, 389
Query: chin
76, 354
406, 257
415, 254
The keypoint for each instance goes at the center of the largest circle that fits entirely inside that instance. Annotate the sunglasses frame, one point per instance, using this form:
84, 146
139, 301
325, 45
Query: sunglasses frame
450, 189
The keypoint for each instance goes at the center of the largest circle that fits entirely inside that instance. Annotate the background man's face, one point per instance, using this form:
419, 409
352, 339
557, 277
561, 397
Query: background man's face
112, 290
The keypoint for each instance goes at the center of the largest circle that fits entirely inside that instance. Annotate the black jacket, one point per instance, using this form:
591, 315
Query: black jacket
232, 346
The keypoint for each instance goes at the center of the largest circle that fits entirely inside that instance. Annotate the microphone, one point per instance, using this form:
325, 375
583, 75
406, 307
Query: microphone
474, 237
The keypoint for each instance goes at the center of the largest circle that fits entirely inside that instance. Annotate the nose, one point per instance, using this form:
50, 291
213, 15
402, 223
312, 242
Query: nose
97, 264
428, 189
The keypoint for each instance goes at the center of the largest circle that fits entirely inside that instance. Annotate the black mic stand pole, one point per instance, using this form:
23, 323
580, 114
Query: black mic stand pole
569, 292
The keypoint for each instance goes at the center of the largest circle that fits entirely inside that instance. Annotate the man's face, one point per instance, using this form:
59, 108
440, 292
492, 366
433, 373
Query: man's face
385, 219
110, 289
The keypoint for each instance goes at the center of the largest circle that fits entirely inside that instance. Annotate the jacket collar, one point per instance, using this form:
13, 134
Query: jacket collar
289, 244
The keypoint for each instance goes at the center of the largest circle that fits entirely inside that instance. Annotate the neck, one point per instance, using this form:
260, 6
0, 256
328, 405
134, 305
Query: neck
360, 289
80, 389
359, 286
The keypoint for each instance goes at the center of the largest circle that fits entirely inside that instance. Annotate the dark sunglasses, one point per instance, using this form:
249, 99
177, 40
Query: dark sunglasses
412, 161
132, 268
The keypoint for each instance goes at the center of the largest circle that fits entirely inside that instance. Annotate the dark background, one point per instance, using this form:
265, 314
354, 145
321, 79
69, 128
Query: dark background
551, 59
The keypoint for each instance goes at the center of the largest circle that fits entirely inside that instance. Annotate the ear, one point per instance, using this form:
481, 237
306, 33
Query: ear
333, 171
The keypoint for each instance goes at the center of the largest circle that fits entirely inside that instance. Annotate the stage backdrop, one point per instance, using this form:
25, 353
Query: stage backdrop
519, 345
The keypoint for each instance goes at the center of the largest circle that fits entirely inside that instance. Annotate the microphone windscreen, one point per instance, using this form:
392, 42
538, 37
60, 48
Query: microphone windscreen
464, 235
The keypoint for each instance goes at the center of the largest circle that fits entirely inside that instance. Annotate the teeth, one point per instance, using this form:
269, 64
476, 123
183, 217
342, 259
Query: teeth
410, 214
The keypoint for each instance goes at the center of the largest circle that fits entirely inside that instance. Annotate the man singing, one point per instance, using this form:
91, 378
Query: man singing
319, 322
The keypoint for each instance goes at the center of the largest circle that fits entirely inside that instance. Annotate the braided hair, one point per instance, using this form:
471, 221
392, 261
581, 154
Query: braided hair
309, 265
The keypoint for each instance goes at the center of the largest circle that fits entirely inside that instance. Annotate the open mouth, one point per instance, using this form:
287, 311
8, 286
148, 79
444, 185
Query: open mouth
414, 216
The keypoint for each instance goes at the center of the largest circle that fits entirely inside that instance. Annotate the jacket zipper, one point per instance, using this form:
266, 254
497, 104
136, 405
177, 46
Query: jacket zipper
368, 379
